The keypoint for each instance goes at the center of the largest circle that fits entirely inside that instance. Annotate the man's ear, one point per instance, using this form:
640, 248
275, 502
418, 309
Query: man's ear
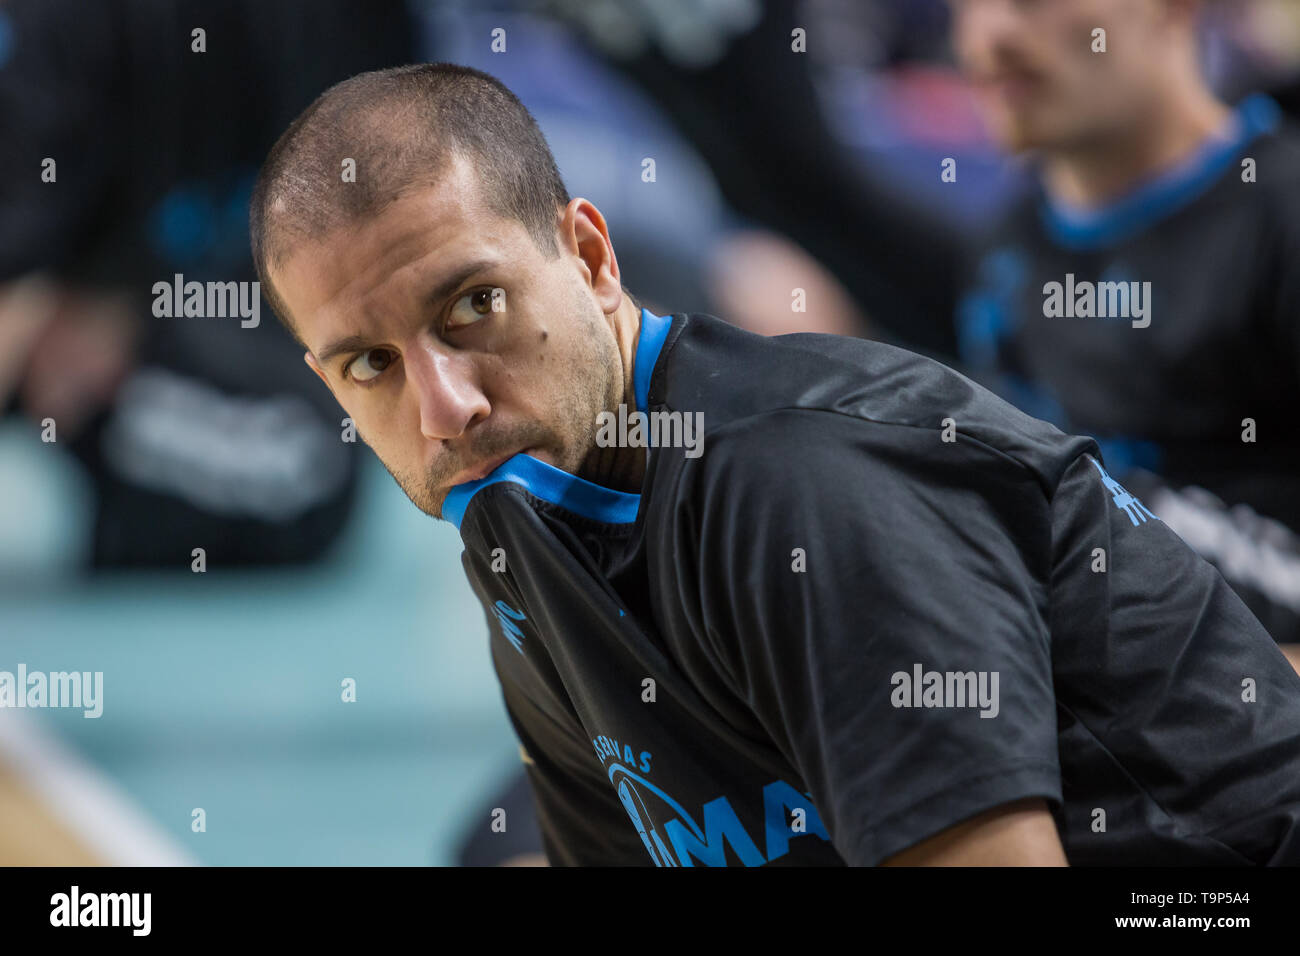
583, 230
315, 367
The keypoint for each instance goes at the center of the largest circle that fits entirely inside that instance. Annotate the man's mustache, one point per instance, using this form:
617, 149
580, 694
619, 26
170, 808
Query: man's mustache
484, 450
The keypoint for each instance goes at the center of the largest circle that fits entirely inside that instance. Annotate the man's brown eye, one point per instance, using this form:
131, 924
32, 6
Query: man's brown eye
471, 307
367, 365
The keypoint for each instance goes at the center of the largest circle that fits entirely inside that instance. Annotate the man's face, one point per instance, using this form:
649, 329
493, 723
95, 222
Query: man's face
451, 340
1040, 82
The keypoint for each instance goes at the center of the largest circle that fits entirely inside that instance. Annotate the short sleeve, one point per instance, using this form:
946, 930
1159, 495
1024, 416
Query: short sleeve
878, 596
1167, 685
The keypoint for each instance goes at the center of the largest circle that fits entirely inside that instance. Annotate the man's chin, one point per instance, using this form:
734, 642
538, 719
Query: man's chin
430, 504
542, 455
1013, 135
432, 509
1025, 131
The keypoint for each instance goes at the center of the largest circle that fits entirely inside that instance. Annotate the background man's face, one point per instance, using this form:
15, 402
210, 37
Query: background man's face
1038, 79
439, 384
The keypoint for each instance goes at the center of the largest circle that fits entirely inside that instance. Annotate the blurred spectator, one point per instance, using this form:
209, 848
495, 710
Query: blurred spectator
196, 431
1150, 184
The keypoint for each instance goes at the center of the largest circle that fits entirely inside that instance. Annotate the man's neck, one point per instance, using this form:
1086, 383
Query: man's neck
1103, 170
622, 469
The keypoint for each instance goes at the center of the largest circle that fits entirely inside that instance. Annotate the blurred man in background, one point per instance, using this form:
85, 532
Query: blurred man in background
1146, 291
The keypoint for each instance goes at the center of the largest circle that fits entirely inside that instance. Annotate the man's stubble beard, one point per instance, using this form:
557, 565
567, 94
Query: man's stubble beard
569, 444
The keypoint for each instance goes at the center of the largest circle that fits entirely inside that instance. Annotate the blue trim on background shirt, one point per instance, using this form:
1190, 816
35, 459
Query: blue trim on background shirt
552, 484
1151, 202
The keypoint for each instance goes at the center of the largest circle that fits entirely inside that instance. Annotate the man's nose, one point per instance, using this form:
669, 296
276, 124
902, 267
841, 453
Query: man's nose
446, 388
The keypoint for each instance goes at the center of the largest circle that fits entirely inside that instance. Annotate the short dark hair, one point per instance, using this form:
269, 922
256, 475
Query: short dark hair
401, 126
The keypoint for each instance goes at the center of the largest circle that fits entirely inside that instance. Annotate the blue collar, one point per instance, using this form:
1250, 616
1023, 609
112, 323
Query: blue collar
559, 487
1149, 203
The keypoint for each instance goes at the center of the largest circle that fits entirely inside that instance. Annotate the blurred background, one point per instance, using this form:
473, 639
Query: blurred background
223, 690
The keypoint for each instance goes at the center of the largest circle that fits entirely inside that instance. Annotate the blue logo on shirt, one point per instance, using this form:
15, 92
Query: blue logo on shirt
507, 616
672, 836
1125, 502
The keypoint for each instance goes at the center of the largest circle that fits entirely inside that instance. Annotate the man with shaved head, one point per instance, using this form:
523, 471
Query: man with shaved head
459, 169
870, 615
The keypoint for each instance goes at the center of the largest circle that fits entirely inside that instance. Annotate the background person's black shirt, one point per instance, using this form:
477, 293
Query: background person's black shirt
1219, 244
858, 513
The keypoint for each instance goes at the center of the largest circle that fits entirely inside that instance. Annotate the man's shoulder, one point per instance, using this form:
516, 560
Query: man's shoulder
1276, 173
1281, 147
732, 374
811, 401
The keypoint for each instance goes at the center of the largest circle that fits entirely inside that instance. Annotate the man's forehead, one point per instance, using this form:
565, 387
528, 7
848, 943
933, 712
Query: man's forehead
443, 203
422, 215
428, 229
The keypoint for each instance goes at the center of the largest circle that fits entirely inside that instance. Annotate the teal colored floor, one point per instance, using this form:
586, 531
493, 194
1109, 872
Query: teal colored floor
222, 690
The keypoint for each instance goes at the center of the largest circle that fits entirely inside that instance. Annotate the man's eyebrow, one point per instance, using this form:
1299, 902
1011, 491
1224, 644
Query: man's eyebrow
359, 342
352, 343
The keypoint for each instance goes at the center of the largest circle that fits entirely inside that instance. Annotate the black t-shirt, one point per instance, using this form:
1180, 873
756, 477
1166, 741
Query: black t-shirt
1212, 248
875, 602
